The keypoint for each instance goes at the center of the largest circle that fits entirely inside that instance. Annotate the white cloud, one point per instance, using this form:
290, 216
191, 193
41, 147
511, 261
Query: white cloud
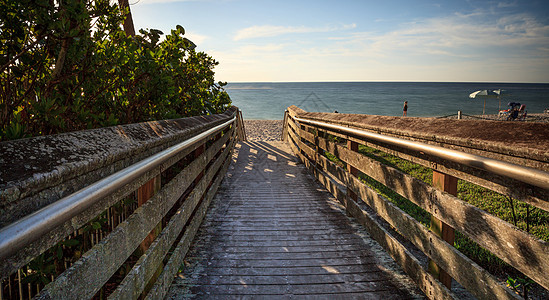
196, 38
459, 36
460, 47
507, 4
270, 31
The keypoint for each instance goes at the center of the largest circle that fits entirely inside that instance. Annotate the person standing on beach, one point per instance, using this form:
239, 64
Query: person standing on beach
405, 109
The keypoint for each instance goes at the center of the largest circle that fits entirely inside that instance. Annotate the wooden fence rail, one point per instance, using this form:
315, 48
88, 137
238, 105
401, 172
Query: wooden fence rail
308, 135
174, 169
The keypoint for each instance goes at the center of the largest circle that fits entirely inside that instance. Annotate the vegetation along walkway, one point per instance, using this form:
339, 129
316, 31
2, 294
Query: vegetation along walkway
272, 232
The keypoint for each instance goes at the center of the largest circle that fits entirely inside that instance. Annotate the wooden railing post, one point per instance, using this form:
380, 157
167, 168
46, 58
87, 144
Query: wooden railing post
240, 130
144, 193
285, 126
318, 150
197, 152
446, 183
353, 146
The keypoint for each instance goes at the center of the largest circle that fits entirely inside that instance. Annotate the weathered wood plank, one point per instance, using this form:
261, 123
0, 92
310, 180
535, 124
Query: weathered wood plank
134, 282
290, 244
308, 228
144, 193
490, 137
451, 258
293, 125
460, 267
293, 271
477, 280
529, 194
316, 254
293, 142
86, 277
272, 247
433, 288
292, 279
485, 229
384, 289
24, 256
298, 262
162, 285
308, 237
448, 184
524, 192
313, 259
426, 282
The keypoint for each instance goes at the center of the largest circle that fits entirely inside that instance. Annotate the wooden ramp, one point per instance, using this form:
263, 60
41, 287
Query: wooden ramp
272, 232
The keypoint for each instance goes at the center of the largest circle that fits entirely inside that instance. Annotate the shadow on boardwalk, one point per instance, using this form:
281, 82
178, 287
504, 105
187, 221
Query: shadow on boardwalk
272, 232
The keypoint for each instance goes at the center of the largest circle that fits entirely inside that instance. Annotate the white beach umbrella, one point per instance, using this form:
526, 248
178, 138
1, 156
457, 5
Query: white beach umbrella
485, 94
500, 93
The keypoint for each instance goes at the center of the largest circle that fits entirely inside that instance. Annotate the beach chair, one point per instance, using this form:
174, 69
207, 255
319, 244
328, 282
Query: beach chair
522, 113
516, 111
503, 114
512, 112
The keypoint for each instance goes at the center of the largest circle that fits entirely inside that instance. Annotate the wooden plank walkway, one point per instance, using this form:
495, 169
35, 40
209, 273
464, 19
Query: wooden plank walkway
272, 232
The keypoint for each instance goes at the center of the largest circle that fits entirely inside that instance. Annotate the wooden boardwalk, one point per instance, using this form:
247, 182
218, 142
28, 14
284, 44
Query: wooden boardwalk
272, 232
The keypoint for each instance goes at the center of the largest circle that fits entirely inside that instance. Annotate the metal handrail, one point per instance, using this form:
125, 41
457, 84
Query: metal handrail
19, 234
524, 174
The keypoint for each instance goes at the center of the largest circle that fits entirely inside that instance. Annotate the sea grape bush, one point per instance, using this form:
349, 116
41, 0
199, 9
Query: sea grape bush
68, 65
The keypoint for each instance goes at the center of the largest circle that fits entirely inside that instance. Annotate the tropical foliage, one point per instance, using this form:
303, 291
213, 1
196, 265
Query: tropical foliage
68, 65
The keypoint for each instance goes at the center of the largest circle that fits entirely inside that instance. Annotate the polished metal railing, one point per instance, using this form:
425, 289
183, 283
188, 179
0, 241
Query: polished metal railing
524, 174
515, 175
21, 233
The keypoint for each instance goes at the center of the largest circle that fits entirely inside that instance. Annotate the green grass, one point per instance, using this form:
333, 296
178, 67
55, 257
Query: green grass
487, 200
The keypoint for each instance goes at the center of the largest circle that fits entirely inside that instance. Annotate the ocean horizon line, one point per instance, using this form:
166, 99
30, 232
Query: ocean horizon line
265, 101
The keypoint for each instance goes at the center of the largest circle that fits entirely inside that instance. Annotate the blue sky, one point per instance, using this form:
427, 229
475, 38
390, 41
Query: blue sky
381, 40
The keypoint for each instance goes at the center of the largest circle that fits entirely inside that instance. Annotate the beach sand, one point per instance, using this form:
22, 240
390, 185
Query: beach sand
263, 130
538, 117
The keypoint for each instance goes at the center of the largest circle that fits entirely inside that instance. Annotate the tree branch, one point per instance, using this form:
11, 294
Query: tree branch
128, 21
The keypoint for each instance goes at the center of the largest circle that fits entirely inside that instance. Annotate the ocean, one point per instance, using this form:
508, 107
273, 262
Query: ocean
268, 101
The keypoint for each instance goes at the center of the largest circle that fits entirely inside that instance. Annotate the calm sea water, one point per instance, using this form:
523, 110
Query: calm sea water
267, 101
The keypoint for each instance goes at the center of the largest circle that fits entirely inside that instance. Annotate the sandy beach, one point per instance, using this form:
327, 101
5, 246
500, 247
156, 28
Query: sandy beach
536, 117
263, 130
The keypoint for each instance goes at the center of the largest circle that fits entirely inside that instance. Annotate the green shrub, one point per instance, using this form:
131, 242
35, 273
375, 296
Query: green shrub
68, 65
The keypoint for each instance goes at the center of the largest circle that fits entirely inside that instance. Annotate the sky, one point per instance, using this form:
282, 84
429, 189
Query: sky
380, 40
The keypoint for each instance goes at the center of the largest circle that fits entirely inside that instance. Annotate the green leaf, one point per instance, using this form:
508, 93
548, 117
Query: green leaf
180, 30
96, 225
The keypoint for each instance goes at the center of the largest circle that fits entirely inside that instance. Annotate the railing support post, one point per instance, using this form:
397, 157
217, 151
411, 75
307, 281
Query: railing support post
241, 131
318, 150
446, 183
353, 146
284, 126
197, 152
144, 193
